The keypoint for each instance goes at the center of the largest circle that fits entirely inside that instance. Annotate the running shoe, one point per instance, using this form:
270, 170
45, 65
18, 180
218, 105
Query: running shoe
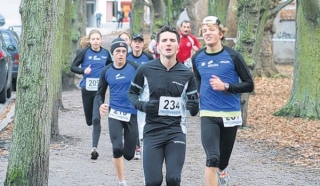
223, 178
137, 154
94, 154
123, 184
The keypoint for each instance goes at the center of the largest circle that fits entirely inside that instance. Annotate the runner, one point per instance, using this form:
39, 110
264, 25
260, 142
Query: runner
188, 42
92, 60
138, 55
164, 89
122, 118
127, 37
218, 70
152, 47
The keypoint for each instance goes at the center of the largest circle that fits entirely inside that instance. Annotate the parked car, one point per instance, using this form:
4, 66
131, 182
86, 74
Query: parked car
2, 20
17, 29
12, 43
5, 72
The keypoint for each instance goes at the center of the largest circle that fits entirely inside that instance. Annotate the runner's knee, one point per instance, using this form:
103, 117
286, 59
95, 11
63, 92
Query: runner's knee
117, 152
154, 182
128, 156
96, 121
172, 180
213, 162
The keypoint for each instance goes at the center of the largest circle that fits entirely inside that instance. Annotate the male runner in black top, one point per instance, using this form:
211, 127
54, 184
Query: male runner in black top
164, 89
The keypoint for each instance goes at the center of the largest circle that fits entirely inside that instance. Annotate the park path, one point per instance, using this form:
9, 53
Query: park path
70, 162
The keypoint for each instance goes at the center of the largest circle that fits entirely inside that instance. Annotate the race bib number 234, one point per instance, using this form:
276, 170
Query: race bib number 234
169, 106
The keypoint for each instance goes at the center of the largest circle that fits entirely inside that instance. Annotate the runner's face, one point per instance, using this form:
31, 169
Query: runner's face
126, 38
211, 34
168, 44
119, 55
137, 45
185, 28
95, 41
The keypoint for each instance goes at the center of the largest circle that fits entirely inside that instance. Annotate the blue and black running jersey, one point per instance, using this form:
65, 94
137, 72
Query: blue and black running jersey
143, 58
118, 81
154, 80
96, 60
231, 68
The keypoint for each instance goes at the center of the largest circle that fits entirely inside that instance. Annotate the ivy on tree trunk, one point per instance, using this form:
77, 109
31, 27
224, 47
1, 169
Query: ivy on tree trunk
304, 100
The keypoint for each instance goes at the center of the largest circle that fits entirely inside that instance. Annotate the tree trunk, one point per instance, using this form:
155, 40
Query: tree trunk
29, 155
78, 14
265, 64
137, 16
219, 8
159, 13
191, 6
64, 45
67, 55
304, 99
248, 23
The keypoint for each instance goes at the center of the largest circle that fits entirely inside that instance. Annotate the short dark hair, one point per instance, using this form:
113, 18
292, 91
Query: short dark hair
185, 21
168, 29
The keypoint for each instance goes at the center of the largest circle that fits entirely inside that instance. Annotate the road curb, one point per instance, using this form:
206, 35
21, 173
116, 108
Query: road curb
8, 119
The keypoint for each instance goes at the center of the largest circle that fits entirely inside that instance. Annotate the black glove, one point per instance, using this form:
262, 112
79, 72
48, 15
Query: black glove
151, 107
193, 106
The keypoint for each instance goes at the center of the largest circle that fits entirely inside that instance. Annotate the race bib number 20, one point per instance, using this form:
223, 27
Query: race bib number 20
92, 84
169, 106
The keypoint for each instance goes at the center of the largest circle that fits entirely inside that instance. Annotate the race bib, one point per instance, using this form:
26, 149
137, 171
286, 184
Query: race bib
169, 106
232, 121
92, 84
118, 115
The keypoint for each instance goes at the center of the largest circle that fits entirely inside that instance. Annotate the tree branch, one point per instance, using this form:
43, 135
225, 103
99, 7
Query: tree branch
279, 7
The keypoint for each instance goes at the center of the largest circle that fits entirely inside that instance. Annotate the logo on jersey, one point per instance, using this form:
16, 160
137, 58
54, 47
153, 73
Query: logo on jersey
120, 76
174, 82
104, 57
90, 57
203, 64
96, 58
212, 64
189, 44
225, 61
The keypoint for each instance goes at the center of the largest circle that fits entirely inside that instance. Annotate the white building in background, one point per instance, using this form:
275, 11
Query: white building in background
109, 10
284, 38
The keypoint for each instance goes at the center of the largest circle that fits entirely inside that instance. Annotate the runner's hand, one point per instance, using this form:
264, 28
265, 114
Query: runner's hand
88, 70
151, 107
104, 109
193, 106
216, 83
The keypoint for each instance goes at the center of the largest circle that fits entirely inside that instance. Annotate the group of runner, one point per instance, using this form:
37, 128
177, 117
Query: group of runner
150, 98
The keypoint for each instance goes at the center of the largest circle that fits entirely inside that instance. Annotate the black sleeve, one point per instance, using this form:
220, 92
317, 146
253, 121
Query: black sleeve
109, 59
192, 92
77, 62
195, 71
136, 88
102, 87
246, 84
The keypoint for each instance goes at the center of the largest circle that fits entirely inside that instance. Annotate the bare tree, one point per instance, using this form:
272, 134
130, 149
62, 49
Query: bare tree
40, 66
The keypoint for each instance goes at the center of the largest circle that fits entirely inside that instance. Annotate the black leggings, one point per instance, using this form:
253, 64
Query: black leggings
129, 130
217, 141
92, 115
156, 149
